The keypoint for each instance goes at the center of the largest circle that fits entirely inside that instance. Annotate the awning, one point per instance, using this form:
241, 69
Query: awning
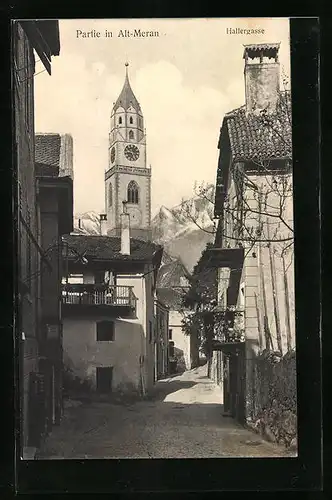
233, 259
225, 257
227, 347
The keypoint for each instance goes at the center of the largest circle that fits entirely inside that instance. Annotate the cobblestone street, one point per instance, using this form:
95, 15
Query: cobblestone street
183, 420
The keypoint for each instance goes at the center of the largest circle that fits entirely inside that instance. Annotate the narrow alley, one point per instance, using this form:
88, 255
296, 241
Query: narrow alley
182, 420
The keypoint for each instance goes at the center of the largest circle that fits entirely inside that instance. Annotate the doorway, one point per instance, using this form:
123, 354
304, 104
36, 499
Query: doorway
104, 375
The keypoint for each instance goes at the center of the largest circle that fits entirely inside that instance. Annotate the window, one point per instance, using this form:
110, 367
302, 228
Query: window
131, 134
171, 350
104, 378
105, 331
110, 195
170, 334
131, 120
132, 192
120, 120
150, 332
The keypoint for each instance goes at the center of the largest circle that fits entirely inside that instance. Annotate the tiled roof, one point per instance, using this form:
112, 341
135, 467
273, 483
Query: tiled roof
260, 137
47, 149
108, 248
54, 155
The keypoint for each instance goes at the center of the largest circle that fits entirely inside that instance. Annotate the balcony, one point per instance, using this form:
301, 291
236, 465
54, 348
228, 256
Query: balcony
93, 299
228, 327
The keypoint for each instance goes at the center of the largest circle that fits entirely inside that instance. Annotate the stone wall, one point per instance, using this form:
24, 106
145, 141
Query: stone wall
274, 405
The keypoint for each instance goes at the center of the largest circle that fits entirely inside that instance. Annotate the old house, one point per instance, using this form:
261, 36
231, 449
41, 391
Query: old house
28, 38
109, 309
172, 284
54, 174
253, 249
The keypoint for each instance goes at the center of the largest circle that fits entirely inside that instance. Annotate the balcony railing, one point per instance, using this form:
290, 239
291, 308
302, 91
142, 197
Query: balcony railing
104, 295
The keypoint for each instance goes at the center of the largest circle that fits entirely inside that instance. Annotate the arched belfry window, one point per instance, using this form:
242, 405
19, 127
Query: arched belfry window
131, 120
110, 195
131, 134
132, 192
120, 120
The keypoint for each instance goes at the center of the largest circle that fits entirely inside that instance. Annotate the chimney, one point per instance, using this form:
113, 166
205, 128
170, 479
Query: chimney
103, 224
125, 230
261, 77
66, 156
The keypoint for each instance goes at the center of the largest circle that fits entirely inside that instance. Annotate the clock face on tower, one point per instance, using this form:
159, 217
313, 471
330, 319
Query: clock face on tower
112, 155
135, 216
131, 152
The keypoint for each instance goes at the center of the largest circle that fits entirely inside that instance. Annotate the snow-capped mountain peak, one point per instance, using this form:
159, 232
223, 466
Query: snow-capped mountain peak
87, 223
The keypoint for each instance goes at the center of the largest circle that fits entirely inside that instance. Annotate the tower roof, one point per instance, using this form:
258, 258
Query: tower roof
127, 97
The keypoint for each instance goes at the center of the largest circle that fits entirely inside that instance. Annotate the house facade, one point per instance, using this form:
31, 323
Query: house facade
253, 249
109, 310
172, 284
43, 38
54, 174
161, 322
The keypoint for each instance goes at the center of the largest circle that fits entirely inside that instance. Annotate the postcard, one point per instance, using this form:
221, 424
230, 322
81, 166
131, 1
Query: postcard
156, 241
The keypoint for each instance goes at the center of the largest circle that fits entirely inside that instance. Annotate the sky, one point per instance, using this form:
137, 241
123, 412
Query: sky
185, 81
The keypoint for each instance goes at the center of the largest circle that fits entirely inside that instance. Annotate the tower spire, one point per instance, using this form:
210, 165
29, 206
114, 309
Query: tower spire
127, 97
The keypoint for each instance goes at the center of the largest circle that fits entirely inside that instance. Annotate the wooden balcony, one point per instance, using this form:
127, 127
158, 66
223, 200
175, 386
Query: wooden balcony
93, 299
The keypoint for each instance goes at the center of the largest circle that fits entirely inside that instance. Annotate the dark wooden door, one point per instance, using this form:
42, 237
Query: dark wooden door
104, 379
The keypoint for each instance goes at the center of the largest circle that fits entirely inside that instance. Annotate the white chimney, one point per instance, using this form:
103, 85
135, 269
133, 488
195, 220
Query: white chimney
125, 230
261, 77
103, 224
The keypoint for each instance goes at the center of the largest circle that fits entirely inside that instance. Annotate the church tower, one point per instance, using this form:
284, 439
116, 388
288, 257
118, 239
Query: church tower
127, 177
